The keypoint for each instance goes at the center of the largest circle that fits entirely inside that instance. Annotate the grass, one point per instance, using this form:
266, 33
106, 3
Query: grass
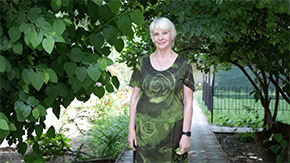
233, 115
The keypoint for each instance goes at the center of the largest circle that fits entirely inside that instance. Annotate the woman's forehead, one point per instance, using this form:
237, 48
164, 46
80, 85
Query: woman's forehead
160, 30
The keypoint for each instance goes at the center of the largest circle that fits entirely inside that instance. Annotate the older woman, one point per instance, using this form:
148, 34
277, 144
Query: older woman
161, 102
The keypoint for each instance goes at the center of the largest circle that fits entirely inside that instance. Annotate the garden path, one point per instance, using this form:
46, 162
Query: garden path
204, 145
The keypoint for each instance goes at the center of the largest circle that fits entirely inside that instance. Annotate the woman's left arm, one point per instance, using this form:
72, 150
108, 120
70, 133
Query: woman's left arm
187, 117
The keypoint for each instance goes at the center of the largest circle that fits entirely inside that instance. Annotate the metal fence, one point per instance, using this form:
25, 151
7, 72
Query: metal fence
233, 99
207, 97
237, 99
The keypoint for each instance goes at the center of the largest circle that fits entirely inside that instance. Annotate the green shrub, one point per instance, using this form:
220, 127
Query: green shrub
108, 136
49, 146
245, 137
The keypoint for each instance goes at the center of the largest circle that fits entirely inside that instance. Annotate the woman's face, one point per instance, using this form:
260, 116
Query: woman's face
162, 38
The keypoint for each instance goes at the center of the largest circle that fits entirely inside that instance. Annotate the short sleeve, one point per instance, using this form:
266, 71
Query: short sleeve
136, 76
188, 79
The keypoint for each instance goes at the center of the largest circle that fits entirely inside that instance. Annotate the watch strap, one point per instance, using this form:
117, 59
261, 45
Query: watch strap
188, 133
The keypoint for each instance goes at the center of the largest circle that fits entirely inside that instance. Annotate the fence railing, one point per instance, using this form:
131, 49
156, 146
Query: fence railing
222, 99
239, 98
207, 97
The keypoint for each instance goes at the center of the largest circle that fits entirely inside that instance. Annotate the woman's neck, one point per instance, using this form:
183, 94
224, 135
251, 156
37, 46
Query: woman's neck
164, 52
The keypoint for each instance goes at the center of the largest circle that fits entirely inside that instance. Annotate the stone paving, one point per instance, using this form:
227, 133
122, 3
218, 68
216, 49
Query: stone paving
204, 145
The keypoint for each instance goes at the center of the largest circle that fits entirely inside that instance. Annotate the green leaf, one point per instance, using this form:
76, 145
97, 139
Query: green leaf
45, 77
27, 33
181, 18
25, 76
12, 126
34, 159
22, 147
109, 62
55, 5
283, 144
109, 88
22, 110
17, 48
81, 73
36, 80
69, 98
2, 63
99, 91
110, 34
102, 63
279, 159
50, 132
35, 148
124, 24
119, 45
57, 38
274, 148
114, 6
98, 2
97, 40
4, 134
32, 101
94, 72
11, 74
52, 75
35, 113
197, 32
278, 137
14, 34
19, 106
70, 68
137, 17
3, 116
35, 38
62, 90
39, 130
48, 44
26, 111
42, 111
59, 27
4, 125
116, 82
65, 2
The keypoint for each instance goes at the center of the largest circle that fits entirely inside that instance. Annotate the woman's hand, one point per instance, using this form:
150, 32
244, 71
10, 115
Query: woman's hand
184, 144
132, 139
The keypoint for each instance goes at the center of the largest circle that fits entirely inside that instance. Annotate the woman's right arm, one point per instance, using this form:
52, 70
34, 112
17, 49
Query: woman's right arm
132, 114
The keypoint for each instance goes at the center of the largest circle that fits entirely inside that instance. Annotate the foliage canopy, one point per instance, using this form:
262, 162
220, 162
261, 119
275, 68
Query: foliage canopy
52, 52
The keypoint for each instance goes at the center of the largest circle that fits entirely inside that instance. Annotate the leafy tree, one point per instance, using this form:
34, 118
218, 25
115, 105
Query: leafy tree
53, 52
252, 34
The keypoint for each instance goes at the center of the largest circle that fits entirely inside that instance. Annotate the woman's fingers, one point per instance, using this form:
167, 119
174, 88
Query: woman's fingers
184, 149
133, 144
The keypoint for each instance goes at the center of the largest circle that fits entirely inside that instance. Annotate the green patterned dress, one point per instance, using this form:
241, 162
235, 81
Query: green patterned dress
159, 112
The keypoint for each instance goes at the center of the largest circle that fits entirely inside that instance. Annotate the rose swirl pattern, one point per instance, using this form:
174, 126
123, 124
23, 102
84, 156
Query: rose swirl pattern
158, 87
148, 128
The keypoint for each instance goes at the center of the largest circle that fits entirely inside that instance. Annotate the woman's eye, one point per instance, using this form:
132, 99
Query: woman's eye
165, 33
156, 34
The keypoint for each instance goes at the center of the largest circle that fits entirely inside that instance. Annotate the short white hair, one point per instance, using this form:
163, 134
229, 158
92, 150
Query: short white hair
165, 24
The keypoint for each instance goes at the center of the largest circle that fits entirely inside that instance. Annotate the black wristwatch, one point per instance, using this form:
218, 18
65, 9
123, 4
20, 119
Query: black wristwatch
188, 133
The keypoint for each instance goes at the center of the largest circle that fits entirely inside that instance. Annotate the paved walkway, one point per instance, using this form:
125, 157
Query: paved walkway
204, 145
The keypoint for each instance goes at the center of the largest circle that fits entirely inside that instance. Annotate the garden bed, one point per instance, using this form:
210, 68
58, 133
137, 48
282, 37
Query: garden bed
238, 150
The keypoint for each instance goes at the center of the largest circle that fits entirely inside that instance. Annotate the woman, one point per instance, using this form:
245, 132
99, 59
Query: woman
161, 102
